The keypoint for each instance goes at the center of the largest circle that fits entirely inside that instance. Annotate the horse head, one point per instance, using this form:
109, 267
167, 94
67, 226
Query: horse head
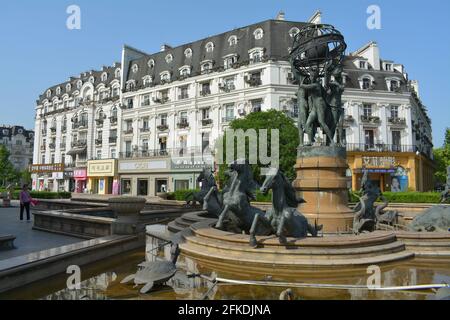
268, 184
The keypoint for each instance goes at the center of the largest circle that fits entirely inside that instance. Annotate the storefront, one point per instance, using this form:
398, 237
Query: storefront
396, 172
47, 177
147, 177
80, 176
103, 177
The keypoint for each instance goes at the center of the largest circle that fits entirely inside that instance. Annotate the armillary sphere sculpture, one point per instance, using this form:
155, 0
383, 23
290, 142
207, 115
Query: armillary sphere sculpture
316, 55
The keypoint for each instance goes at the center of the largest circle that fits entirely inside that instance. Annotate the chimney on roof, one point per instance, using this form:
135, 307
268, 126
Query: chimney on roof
165, 47
281, 16
316, 18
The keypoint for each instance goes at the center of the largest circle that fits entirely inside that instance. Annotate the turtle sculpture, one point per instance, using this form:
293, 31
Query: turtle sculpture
154, 273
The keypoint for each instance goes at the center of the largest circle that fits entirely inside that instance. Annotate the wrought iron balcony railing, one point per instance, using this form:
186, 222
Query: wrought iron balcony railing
380, 147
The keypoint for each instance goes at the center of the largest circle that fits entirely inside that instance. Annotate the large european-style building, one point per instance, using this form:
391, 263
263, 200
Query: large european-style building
19, 142
150, 125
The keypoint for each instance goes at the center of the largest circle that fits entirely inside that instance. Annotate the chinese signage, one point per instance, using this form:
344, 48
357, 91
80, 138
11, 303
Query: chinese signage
100, 168
379, 162
80, 173
189, 163
47, 168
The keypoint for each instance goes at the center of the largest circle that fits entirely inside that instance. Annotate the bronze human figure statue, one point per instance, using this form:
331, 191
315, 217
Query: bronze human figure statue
335, 89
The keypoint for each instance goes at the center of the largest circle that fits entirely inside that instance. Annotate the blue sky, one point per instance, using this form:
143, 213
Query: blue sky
37, 50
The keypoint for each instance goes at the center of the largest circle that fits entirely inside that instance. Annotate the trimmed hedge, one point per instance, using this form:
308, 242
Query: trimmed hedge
44, 195
405, 197
180, 195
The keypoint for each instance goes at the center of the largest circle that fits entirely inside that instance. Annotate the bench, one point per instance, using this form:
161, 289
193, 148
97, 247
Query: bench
7, 242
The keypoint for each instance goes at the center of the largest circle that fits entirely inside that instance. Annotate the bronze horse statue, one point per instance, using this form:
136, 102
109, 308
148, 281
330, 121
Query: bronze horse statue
285, 219
207, 180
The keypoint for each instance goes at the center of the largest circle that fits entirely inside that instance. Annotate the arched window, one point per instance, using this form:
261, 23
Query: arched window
147, 80
79, 84
188, 53
130, 85
91, 80
114, 112
49, 93
169, 58
366, 83
68, 87
258, 34
185, 71
232, 41
206, 66
135, 68
209, 47
165, 76
151, 63
58, 90
117, 73
104, 76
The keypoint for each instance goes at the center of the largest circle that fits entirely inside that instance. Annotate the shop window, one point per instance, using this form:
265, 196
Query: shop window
126, 186
181, 185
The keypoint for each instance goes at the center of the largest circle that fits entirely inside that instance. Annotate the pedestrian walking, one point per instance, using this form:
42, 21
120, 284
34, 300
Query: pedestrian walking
25, 200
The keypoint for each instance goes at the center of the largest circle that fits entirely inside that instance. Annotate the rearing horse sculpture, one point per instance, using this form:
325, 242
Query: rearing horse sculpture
207, 180
284, 218
236, 200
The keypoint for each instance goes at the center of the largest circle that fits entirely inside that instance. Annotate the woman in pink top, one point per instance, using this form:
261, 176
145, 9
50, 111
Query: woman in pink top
25, 200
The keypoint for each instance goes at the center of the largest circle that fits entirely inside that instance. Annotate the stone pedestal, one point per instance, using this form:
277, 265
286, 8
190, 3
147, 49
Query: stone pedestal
322, 182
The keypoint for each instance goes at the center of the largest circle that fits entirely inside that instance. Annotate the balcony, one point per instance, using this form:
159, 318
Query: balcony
253, 81
163, 127
183, 124
64, 129
128, 131
183, 96
52, 146
145, 130
370, 120
205, 92
379, 147
43, 148
44, 133
397, 121
112, 140
99, 122
161, 100
113, 120
62, 146
228, 119
158, 153
227, 87
99, 142
206, 122
53, 130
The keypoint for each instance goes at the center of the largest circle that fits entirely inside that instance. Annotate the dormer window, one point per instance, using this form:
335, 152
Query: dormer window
79, 84
117, 73
209, 47
232, 41
229, 61
169, 58
49, 93
188, 53
394, 86
363, 65
206, 67
258, 34
366, 83
185, 71
92, 80
293, 32
388, 67
165, 76
256, 55
68, 87
135, 68
104, 76
151, 63
130, 85
58, 91
147, 80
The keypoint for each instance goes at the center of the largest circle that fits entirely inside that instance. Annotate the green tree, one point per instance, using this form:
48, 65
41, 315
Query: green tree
442, 159
288, 134
8, 174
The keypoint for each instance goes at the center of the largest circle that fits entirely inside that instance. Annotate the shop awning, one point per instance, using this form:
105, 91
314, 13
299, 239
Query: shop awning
77, 150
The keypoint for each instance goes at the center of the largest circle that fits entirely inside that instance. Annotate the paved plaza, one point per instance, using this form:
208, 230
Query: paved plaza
27, 239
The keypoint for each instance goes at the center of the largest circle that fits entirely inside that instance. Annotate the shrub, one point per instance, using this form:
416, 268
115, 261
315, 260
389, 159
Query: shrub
44, 195
180, 195
404, 197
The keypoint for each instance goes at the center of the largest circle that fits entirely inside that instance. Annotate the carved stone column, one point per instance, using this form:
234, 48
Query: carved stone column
322, 182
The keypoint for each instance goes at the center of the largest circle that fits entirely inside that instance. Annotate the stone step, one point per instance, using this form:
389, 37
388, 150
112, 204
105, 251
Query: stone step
299, 252
174, 228
7, 242
287, 260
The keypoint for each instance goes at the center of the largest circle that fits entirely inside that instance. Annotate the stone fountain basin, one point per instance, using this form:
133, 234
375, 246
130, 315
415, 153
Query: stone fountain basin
127, 206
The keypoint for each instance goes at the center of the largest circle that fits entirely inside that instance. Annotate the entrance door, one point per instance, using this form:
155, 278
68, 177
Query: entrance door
142, 187
396, 141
